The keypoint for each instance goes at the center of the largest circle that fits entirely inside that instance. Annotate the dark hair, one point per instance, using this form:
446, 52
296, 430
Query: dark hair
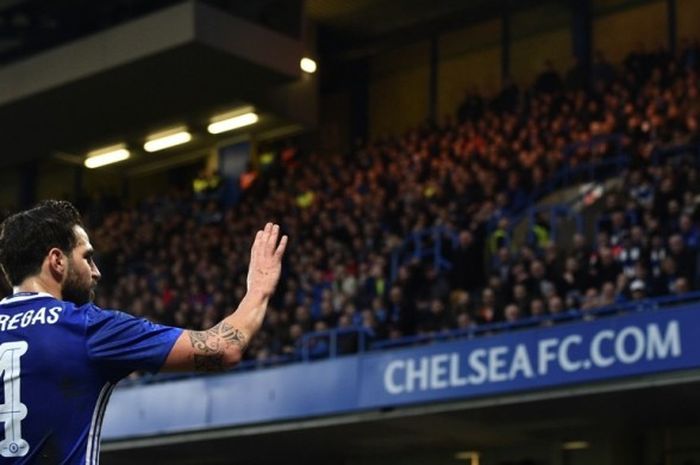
26, 237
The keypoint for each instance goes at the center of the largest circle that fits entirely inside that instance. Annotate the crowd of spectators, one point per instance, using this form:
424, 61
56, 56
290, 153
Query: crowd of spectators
181, 259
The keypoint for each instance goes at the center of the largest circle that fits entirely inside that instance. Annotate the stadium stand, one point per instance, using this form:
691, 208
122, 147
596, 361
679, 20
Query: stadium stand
468, 179
492, 209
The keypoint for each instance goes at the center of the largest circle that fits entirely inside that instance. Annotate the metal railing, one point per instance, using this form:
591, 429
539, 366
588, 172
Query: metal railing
419, 245
428, 244
572, 315
322, 344
424, 244
304, 352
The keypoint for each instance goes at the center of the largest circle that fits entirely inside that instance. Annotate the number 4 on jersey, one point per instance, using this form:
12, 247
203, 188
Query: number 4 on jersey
12, 411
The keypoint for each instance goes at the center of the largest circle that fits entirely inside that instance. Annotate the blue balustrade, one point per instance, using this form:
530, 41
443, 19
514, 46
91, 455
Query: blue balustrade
305, 354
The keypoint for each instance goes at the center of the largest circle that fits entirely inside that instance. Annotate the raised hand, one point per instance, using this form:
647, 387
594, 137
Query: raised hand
266, 260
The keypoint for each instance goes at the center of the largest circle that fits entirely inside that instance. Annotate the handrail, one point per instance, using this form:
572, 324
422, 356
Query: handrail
561, 178
364, 345
568, 315
619, 162
415, 239
309, 339
555, 211
440, 232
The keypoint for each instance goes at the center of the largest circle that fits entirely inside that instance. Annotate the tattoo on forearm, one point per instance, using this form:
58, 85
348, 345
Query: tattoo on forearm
231, 335
212, 343
205, 342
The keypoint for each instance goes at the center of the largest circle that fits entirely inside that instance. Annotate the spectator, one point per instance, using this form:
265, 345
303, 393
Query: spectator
512, 313
638, 289
603, 71
347, 213
685, 260
576, 76
465, 275
549, 80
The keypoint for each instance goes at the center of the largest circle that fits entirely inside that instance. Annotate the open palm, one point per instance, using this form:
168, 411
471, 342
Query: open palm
266, 260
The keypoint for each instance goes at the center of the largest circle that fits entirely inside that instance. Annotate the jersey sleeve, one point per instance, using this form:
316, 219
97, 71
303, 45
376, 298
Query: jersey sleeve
121, 343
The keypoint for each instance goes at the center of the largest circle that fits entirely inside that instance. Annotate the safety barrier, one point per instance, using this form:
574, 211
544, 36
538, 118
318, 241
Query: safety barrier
307, 351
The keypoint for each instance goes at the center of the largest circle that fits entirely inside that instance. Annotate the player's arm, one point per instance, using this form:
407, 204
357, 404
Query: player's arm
222, 346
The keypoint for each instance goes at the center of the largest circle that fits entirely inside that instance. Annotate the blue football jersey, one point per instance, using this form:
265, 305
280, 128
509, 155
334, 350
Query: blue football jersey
58, 366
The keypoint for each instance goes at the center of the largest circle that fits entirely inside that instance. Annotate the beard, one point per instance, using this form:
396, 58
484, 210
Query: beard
77, 290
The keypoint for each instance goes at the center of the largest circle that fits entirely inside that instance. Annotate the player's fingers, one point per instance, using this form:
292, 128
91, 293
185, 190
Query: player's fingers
272, 240
258, 238
266, 233
281, 247
256, 243
263, 237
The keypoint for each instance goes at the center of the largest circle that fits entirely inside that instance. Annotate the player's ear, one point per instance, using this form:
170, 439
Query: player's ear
58, 262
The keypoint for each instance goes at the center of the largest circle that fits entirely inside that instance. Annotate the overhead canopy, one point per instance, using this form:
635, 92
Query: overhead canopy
179, 65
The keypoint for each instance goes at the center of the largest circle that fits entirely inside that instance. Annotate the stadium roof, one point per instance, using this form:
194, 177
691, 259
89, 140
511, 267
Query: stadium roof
362, 19
364, 27
76, 75
181, 64
29, 26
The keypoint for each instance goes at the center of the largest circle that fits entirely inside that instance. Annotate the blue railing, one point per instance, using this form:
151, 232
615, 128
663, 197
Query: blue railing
524, 323
413, 246
420, 245
305, 352
587, 172
321, 344
555, 214
661, 155
595, 172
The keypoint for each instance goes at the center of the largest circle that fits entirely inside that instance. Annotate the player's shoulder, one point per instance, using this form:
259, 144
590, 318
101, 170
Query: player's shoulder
26, 298
88, 314
97, 317
21, 301
34, 309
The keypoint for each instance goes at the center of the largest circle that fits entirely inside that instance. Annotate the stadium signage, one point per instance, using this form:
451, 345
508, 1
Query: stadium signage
605, 349
505, 363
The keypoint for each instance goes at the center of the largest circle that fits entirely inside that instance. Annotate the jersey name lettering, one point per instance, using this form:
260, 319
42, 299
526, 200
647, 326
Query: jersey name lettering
42, 316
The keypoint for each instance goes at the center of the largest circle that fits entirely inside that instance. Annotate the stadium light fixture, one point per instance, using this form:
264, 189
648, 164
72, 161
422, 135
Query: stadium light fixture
106, 156
471, 456
575, 445
229, 122
307, 65
166, 139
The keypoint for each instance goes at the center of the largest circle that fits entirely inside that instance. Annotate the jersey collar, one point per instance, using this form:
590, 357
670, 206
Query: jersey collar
22, 296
